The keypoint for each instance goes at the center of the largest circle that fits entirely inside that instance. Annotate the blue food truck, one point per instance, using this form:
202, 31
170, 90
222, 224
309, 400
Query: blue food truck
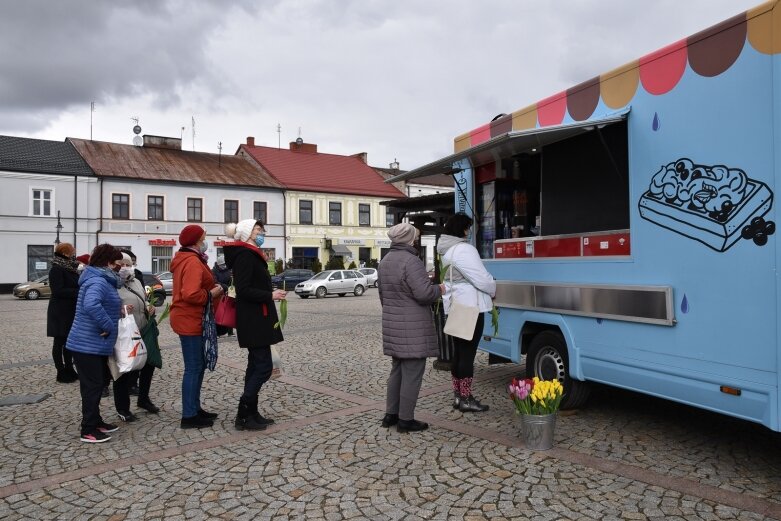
630, 223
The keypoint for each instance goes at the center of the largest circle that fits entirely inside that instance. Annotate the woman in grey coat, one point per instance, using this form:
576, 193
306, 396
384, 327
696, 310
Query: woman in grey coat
408, 334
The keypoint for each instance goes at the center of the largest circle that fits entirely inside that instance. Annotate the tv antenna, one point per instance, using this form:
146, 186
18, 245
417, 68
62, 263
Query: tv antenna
219, 159
299, 139
137, 139
193, 118
91, 111
279, 135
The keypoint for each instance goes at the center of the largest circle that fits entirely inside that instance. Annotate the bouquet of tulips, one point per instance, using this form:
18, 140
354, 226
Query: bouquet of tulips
535, 396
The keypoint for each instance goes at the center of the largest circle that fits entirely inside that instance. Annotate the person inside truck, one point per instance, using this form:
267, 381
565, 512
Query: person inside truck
470, 285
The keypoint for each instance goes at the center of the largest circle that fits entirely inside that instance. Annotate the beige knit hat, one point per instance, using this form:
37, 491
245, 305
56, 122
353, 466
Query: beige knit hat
403, 233
241, 230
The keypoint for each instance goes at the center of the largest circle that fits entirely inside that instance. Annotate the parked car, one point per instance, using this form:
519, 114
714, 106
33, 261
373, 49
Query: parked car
151, 281
339, 282
33, 289
371, 276
291, 278
167, 279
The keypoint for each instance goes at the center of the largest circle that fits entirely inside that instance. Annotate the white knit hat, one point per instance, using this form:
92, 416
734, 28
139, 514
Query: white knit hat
241, 230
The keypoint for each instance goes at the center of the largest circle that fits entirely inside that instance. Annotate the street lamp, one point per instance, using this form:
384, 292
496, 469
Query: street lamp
59, 228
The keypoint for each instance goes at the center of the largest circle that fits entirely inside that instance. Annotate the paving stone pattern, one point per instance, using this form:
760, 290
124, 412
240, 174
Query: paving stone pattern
623, 456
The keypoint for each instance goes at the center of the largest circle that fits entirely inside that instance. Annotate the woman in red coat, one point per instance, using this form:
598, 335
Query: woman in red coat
193, 287
256, 315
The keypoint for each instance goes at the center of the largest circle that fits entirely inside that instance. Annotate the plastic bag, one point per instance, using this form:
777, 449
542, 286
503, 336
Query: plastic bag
129, 351
276, 372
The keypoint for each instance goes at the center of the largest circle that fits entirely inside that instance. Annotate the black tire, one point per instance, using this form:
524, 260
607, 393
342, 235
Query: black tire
304, 296
33, 294
342, 294
547, 359
358, 290
321, 292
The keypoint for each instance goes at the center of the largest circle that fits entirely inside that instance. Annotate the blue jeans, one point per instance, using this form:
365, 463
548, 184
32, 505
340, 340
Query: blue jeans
194, 367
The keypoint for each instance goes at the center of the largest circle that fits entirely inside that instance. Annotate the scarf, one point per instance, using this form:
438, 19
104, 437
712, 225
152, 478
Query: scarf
65, 263
110, 276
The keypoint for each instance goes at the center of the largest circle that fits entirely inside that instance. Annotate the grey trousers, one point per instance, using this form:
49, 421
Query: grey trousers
404, 382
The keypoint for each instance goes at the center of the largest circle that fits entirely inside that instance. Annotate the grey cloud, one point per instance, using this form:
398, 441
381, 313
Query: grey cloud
57, 54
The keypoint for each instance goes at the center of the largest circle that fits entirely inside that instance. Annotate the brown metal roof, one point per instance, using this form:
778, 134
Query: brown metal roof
162, 164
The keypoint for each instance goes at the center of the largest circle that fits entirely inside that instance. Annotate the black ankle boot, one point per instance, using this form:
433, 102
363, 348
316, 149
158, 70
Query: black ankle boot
148, 406
195, 422
245, 418
259, 418
471, 404
389, 420
456, 400
411, 426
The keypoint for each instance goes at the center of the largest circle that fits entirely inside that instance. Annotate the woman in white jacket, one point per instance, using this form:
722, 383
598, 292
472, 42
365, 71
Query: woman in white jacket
471, 285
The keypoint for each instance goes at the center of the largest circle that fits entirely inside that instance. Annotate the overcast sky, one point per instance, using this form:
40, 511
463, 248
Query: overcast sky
394, 78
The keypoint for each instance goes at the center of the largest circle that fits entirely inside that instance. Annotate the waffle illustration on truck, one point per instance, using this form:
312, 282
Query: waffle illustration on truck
715, 205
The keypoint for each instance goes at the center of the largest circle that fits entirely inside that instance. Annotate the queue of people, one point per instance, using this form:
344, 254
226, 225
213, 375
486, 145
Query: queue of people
91, 293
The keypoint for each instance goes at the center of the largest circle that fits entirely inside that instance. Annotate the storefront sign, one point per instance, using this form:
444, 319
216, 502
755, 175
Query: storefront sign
40, 266
162, 242
352, 242
382, 243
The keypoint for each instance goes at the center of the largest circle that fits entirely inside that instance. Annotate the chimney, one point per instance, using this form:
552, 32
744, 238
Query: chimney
363, 156
305, 148
250, 141
171, 143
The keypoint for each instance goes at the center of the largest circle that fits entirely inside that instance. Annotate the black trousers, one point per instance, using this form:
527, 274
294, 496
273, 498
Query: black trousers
259, 367
462, 365
63, 359
93, 376
123, 383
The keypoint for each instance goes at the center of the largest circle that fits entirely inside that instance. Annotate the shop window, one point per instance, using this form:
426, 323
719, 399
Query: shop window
39, 260
42, 202
259, 211
389, 218
154, 208
120, 206
304, 212
364, 215
194, 210
335, 214
161, 258
304, 257
231, 213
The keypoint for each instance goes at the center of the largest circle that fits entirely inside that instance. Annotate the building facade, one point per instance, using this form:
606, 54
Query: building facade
332, 203
147, 194
47, 194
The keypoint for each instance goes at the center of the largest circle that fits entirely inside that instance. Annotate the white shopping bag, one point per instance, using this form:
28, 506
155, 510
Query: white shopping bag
276, 372
129, 351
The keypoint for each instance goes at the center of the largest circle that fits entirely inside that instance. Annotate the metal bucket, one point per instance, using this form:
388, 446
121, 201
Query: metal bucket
537, 430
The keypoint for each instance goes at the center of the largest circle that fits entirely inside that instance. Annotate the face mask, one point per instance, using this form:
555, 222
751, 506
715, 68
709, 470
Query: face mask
204, 247
81, 267
259, 240
115, 268
125, 273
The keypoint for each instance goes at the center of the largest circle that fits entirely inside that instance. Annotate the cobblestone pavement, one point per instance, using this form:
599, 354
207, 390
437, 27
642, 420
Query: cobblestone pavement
623, 456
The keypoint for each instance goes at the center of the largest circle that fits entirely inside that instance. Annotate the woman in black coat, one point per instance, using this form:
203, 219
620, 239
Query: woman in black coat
256, 315
64, 284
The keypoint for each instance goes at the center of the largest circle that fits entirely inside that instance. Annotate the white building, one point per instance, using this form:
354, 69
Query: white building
42, 183
147, 194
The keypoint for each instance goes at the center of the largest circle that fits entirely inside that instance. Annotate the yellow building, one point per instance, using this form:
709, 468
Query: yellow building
332, 203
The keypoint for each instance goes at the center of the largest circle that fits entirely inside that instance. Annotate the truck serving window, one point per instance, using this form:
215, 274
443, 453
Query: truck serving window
572, 187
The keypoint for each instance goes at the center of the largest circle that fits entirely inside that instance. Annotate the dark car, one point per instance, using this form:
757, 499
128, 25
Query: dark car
290, 278
152, 281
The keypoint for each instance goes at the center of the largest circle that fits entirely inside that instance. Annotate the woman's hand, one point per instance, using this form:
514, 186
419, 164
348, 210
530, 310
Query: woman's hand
151, 309
442, 289
279, 294
216, 291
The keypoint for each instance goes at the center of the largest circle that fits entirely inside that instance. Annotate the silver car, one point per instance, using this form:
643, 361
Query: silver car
338, 282
167, 278
371, 276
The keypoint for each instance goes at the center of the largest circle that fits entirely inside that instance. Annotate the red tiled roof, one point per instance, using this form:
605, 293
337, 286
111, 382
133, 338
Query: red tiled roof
160, 164
317, 172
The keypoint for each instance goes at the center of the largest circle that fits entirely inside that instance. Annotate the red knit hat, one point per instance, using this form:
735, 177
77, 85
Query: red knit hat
190, 234
84, 259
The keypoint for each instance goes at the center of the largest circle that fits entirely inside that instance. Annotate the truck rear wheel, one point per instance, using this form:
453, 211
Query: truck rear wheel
547, 359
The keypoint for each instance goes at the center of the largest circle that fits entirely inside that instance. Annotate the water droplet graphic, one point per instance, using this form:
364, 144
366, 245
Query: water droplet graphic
685, 304
655, 124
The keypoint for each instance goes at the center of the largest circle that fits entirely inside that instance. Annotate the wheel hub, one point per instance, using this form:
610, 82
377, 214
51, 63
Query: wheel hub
549, 365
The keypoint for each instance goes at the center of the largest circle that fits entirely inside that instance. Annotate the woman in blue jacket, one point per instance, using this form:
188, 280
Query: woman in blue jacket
93, 335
